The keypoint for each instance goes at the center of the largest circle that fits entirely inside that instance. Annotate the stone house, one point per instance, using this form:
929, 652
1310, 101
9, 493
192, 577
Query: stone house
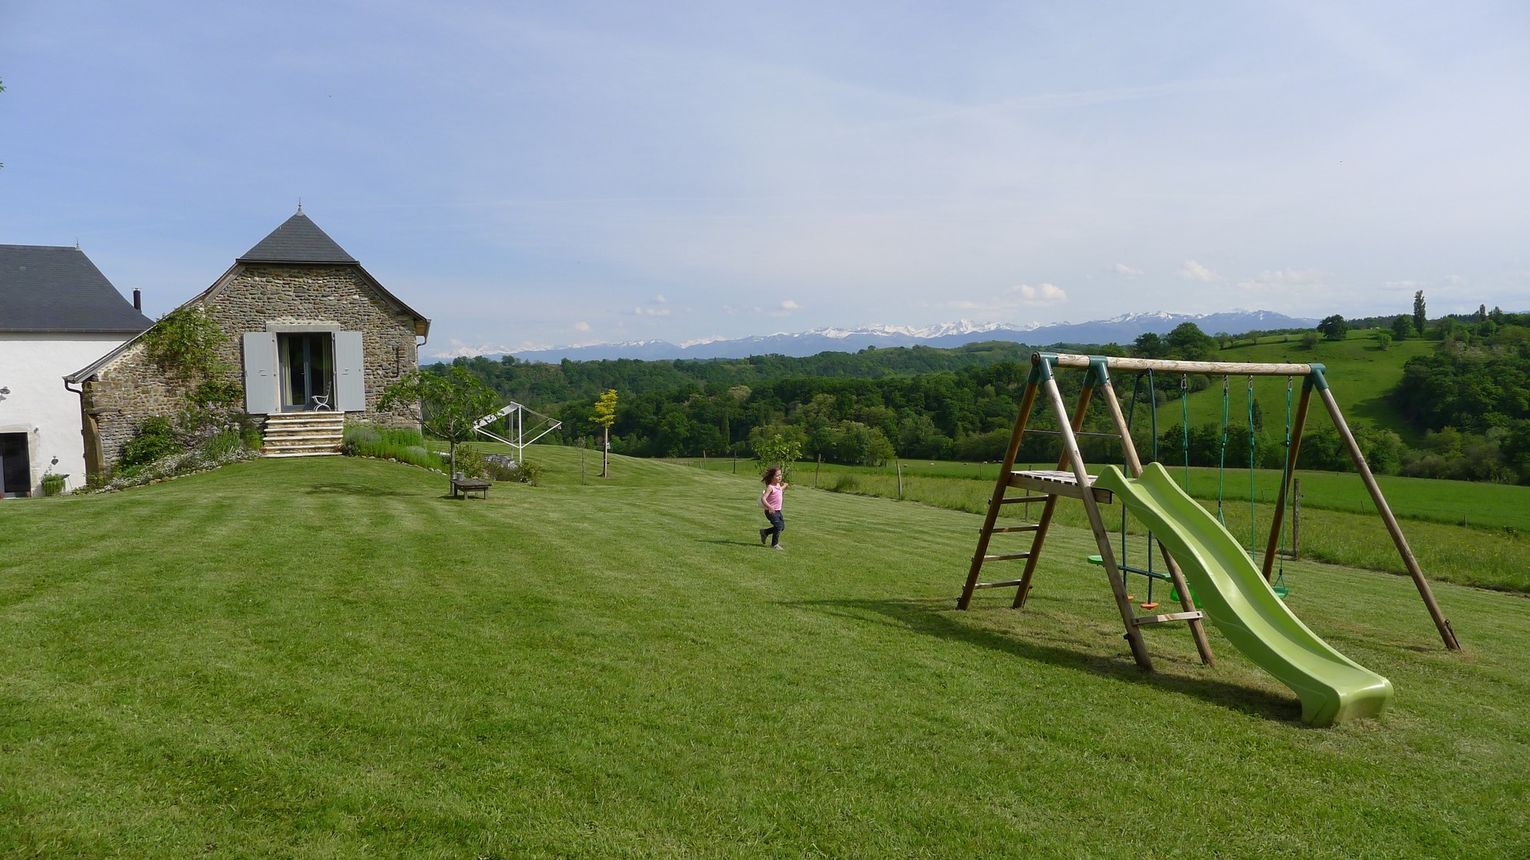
56, 311
314, 340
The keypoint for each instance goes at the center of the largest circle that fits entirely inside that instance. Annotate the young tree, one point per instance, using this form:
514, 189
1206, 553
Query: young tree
605, 416
778, 448
1401, 327
449, 404
1419, 317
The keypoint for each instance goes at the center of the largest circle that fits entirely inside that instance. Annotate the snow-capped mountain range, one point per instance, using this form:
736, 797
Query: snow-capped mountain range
1122, 329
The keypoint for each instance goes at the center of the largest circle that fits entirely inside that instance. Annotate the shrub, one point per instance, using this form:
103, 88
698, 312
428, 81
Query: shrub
222, 444
358, 437
153, 440
217, 449
502, 468
389, 443
470, 462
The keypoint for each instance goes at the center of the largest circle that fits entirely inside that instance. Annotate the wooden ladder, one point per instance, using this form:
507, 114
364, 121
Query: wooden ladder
1045, 487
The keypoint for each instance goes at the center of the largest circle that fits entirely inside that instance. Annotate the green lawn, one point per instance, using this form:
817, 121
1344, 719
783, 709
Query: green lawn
1468, 533
326, 658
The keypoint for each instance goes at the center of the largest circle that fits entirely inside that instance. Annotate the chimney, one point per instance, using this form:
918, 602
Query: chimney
137, 300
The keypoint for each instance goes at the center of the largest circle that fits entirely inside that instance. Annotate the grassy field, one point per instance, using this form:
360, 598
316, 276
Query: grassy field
1468, 533
327, 658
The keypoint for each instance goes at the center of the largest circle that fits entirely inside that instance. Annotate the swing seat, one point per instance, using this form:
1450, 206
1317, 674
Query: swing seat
1174, 596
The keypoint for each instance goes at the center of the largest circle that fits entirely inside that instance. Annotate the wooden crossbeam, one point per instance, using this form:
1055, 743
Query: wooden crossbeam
1192, 615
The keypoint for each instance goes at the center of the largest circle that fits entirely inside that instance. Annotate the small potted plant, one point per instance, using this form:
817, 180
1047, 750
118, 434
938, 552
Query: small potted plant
53, 483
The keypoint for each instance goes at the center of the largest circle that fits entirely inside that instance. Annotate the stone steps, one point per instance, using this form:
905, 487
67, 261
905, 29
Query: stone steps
303, 434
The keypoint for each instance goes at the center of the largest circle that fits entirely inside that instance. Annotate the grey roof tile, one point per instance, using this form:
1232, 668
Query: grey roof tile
298, 240
45, 288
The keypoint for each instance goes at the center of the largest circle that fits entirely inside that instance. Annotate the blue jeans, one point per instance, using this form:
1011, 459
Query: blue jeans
777, 525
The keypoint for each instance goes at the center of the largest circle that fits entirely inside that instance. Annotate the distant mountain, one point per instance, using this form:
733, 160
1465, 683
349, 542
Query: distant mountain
1122, 330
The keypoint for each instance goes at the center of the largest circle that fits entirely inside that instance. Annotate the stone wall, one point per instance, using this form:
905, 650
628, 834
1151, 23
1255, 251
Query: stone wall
131, 388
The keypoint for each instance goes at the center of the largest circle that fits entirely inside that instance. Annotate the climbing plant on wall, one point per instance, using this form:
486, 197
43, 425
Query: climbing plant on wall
187, 344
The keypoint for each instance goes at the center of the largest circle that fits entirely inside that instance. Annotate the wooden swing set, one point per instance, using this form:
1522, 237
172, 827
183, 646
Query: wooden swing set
1072, 480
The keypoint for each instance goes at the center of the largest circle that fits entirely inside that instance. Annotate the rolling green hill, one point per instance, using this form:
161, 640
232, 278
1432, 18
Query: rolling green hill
1359, 374
328, 658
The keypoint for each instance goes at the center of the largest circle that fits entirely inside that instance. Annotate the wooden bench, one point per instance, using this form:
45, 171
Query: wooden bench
466, 486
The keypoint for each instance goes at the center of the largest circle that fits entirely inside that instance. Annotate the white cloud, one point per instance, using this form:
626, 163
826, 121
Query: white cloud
1194, 271
650, 312
581, 326
1040, 294
786, 308
1286, 282
1012, 299
1126, 271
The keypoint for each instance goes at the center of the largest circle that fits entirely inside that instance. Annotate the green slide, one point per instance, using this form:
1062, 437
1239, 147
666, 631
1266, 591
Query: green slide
1233, 594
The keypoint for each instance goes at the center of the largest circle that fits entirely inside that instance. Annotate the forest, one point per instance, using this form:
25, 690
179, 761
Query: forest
1468, 398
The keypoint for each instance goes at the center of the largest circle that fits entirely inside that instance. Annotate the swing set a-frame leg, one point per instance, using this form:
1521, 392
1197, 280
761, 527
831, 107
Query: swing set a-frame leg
1080, 410
1177, 576
1096, 522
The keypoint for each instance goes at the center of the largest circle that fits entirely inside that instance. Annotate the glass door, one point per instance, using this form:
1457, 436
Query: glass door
15, 465
308, 375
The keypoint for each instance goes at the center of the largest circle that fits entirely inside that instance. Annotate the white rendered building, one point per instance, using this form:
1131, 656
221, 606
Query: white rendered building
57, 314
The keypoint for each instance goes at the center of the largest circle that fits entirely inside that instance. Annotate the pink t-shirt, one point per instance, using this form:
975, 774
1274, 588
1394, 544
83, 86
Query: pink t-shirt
773, 497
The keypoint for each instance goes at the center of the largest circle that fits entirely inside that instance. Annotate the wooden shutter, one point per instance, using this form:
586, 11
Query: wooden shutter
261, 394
350, 384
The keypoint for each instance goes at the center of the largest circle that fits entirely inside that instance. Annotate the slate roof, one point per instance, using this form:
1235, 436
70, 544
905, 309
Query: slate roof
51, 289
298, 240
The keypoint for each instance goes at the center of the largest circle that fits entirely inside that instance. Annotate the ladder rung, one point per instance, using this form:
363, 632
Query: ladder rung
1008, 583
1171, 616
1026, 528
1023, 499
1012, 555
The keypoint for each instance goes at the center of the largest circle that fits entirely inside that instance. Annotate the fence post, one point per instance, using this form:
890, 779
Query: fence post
900, 482
815, 471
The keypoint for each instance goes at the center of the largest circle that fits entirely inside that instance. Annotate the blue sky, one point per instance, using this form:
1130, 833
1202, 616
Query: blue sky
539, 174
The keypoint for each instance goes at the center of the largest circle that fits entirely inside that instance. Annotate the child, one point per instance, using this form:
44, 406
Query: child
770, 500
